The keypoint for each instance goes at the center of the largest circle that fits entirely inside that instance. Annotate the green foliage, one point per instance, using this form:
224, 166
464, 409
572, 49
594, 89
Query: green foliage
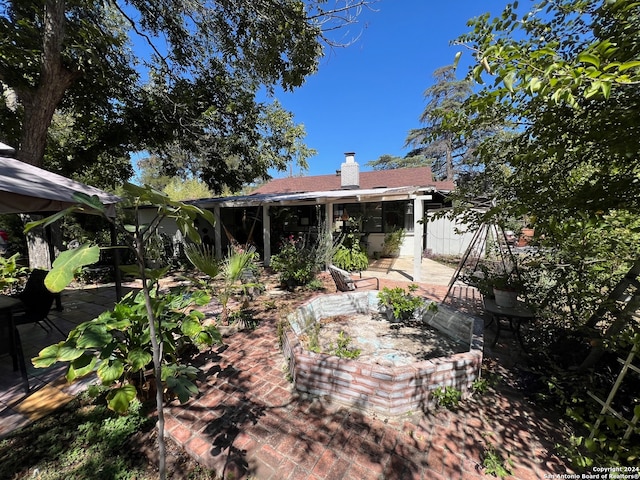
342, 349
10, 272
314, 340
295, 262
390, 162
189, 189
315, 285
605, 445
200, 101
203, 257
82, 440
481, 385
494, 464
402, 302
231, 271
447, 397
117, 345
392, 242
438, 140
349, 256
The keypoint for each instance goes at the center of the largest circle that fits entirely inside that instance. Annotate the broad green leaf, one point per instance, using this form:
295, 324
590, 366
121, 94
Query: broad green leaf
94, 336
65, 266
67, 353
182, 387
534, 84
508, 80
80, 367
627, 65
191, 327
91, 201
47, 356
120, 398
589, 58
187, 228
49, 220
110, 371
139, 359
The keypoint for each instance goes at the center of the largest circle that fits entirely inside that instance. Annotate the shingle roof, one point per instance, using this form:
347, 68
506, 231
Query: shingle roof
401, 177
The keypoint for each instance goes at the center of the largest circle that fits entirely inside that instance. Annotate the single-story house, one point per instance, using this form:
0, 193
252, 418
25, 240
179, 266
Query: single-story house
377, 202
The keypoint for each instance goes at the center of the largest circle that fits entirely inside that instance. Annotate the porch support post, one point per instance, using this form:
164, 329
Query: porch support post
266, 234
418, 234
217, 231
329, 220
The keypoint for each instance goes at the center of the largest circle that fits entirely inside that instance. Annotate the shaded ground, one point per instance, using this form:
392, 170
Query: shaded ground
248, 421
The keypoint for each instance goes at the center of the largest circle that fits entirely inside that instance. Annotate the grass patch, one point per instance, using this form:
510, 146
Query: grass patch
83, 440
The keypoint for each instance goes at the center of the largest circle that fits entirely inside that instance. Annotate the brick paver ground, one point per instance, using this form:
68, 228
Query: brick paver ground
249, 422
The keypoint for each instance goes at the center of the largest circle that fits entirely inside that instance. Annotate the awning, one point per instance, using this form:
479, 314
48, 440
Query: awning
25, 188
347, 195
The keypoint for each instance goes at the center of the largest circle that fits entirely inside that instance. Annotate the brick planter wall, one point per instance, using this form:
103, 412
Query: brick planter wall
386, 390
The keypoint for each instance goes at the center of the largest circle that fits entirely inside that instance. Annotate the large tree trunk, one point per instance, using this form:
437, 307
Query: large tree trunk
40, 102
43, 244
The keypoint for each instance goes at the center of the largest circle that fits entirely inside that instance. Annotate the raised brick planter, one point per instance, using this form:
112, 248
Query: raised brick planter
387, 390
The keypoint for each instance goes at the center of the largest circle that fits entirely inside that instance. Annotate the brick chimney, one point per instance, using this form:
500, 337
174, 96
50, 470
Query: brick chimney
349, 172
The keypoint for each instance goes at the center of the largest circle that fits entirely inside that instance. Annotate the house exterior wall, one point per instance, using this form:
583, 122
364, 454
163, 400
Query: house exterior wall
443, 239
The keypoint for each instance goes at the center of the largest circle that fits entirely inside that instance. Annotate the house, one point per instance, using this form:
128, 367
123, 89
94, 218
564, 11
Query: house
375, 202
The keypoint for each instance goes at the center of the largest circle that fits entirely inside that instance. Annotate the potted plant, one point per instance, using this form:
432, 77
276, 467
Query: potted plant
400, 304
506, 287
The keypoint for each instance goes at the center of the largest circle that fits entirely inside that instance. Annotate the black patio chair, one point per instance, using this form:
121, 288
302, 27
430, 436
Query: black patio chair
10, 344
37, 302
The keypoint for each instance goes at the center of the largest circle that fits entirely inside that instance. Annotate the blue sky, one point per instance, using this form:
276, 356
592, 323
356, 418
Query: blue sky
365, 98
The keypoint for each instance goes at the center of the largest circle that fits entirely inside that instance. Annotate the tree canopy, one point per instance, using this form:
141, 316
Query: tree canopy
145, 75
390, 162
561, 79
436, 139
564, 79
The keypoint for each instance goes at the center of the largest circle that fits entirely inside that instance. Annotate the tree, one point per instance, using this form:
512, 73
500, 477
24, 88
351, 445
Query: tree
203, 68
51, 47
190, 189
571, 147
282, 140
390, 162
439, 139
564, 79
101, 345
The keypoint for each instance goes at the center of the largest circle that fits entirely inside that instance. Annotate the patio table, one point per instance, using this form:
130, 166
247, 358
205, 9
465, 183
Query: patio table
517, 315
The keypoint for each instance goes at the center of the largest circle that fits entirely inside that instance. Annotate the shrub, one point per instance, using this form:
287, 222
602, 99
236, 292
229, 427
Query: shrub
392, 242
403, 303
295, 263
350, 257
